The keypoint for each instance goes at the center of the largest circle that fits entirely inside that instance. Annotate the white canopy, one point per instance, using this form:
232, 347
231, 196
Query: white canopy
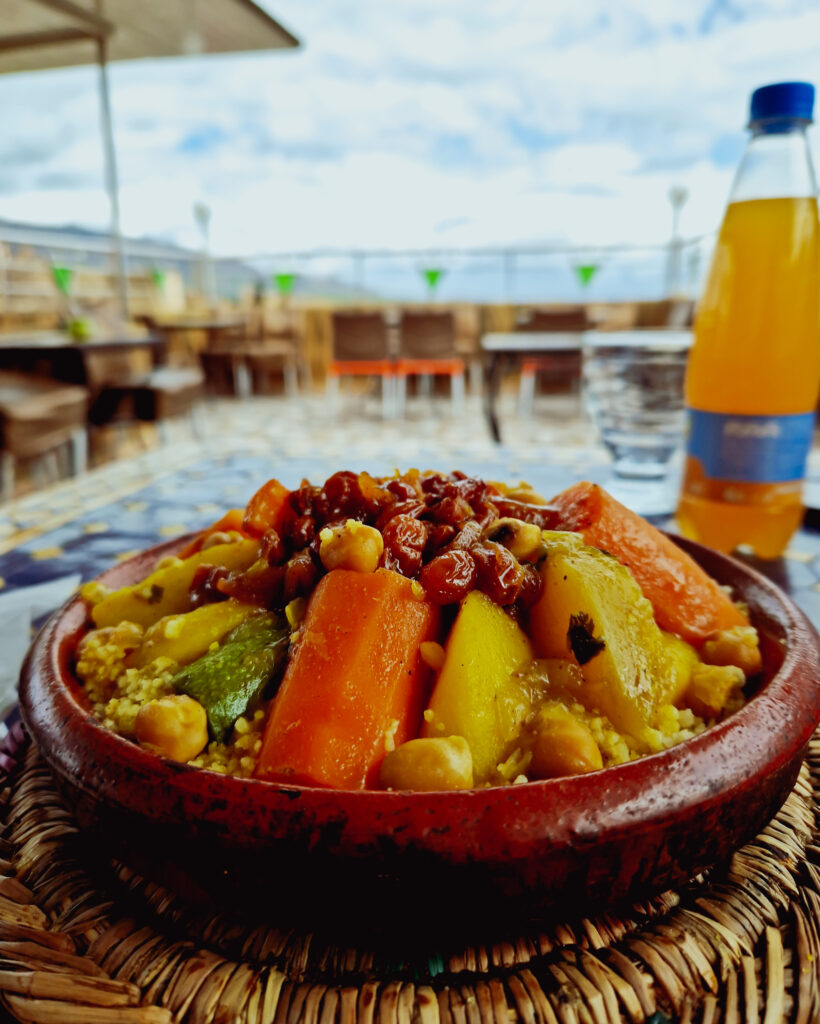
40, 34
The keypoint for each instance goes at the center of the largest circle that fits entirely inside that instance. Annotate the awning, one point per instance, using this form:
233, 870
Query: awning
40, 34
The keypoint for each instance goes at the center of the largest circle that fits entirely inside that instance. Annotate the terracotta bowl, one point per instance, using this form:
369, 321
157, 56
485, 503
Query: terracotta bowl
514, 852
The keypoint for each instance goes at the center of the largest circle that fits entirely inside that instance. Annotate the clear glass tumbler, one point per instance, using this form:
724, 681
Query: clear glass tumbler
633, 386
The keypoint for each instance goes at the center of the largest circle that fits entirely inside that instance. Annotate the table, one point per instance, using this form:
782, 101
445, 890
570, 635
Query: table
241, 356
191, 495
504, 349
57, 356
218, 343
212, 327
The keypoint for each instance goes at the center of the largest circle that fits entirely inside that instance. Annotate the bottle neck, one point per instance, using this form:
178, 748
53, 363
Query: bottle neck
777, 164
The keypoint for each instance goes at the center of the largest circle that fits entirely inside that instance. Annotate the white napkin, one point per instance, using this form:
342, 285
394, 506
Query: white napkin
18, 610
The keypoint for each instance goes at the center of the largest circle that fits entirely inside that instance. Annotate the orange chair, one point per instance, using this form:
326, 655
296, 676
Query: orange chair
361, 349
560, 367
427, 349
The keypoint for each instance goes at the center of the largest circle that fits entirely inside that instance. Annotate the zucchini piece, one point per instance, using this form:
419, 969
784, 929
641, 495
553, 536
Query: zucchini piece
232, 680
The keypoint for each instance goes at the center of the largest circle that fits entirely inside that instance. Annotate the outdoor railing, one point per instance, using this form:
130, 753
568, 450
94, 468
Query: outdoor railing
46, 272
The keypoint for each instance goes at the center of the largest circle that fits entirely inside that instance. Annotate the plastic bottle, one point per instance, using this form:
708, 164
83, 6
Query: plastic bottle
754, 370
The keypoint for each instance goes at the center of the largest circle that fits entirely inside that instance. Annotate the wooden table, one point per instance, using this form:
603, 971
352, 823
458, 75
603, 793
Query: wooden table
55, 355
241, 356
191, 497
502, 350
212, 327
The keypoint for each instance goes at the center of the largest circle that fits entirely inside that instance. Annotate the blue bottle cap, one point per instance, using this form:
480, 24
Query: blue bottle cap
784, 101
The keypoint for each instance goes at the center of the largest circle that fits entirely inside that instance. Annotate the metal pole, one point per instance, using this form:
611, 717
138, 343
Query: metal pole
111, 182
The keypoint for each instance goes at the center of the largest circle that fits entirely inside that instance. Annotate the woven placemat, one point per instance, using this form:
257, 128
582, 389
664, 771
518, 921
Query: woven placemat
90, 942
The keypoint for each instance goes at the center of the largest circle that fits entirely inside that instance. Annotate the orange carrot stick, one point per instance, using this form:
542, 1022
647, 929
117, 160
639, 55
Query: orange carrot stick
268, 509
355, 682
686, 600
231, 522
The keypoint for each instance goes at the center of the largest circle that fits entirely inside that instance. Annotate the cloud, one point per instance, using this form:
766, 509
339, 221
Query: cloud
418, 123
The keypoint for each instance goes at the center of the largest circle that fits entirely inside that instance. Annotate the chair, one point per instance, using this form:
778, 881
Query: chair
169, 393
560, 368
276, 351
122, 391
675, 313
468, 319
361, 349
39, 417
427, 349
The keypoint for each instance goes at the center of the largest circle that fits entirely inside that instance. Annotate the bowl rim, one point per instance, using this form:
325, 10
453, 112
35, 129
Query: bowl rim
662, 781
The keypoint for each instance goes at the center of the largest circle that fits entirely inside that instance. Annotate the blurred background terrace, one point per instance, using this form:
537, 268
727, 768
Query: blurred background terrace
201, 209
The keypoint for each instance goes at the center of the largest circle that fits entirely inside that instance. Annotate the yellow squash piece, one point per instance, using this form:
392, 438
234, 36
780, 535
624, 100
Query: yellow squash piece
165, 591
593, 612
476, 695
187, 637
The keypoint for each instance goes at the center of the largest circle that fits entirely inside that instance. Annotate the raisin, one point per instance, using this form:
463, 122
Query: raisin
302, 532
434, 484
414, 508
468, 537
343, 495
532, 586
449, 577
272, 548
545, 516
261, 585
404, 540
470, 488
303, 499
301, 576
402, 490
203, 589
453, 511
500, 575
485, 514
439, 535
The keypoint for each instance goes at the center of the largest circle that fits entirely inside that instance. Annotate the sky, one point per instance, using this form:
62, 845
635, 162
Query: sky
418, 123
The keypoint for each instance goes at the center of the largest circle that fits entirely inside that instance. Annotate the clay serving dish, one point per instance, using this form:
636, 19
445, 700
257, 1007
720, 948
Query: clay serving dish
519, 852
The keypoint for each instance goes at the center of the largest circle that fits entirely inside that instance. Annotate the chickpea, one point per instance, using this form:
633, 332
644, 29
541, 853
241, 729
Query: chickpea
437, 763
353, 545
738, 646
562, 746
175, 726
522, 539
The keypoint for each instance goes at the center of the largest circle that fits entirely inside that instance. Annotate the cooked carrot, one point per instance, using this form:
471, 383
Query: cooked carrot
686, 600
268, 509
355, 685
231, 522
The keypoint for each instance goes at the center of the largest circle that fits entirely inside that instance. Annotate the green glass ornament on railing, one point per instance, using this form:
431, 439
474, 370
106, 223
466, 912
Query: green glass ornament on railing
585, 272
284, 283
62, 277
158, 277
432, 275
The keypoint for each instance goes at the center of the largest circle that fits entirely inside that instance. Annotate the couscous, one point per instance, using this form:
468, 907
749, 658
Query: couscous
424, 631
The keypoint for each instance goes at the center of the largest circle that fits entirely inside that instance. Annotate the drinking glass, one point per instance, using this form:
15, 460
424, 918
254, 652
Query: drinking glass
633, 384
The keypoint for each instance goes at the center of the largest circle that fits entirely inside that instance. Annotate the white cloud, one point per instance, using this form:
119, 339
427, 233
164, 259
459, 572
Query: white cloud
415, 123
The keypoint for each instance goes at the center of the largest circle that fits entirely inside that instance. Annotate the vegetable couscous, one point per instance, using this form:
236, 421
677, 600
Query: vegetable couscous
423, 631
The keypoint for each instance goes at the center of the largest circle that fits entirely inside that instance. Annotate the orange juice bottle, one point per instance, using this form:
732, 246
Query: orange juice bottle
754, 369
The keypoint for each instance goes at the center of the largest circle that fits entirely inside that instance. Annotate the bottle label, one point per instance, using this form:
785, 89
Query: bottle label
750, 449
